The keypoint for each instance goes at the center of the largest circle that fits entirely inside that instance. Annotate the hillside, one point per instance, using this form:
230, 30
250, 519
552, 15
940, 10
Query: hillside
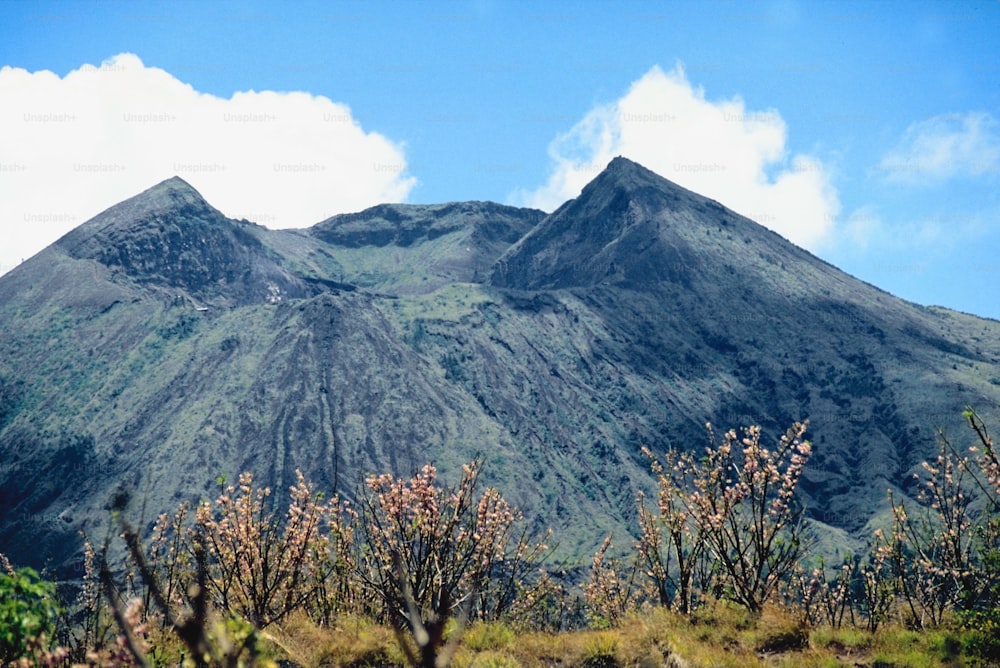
161, 345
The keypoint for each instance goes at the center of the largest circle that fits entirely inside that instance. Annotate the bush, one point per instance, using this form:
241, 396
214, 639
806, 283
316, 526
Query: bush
982, 638
263, 569
944, 552
601, 652
28, 611
731, 519
483, 636
434, 553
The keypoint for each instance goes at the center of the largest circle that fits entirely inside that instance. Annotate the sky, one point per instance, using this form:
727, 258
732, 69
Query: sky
865, 132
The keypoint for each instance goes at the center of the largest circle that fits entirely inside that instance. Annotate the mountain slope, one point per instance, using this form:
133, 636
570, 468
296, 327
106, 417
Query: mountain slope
761, 330
161, 345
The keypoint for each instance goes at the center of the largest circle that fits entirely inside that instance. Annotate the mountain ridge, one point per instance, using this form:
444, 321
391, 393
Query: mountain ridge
161, 345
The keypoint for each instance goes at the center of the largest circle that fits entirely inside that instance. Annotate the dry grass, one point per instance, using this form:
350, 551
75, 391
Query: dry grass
351, 641
717, 635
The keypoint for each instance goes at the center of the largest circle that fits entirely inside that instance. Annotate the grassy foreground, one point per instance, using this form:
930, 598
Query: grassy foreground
717, 635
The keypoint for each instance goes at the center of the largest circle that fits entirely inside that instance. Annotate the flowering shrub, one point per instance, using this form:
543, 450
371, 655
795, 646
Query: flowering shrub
209, 640
737, 508
169, 556
877, 590
942, 551
609, 594
744, 502
672, 547
547, 605
129, 648
262, 569
432, 552
986, 459
818, 598
96, 626
420, 555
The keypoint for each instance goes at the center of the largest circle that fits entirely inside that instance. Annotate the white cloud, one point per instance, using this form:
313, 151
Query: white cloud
72, 146
865, 229
862, 227
720, 149
945, 147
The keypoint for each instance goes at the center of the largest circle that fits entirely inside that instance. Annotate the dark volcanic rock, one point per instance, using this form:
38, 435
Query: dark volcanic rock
169, 237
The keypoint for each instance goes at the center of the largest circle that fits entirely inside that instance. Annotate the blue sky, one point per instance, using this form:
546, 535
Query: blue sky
867, 132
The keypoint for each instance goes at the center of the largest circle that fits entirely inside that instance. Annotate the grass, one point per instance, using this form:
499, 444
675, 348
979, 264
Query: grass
450, 303
396, 269
718, 635
352, 640
483, 636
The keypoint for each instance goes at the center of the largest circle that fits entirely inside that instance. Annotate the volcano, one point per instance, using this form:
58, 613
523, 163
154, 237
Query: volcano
162, 345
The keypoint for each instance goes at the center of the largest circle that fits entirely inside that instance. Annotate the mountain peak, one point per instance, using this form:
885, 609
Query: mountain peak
174, 183
168, 194
621, 166
624, 175
164, 200
627, 224
169, 237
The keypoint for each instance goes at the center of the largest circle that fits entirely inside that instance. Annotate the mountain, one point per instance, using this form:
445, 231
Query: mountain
727, 321
161, 345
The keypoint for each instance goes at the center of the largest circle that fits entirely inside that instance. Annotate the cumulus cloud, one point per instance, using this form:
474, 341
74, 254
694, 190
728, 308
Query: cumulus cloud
945, 147
720, 149
72, 146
